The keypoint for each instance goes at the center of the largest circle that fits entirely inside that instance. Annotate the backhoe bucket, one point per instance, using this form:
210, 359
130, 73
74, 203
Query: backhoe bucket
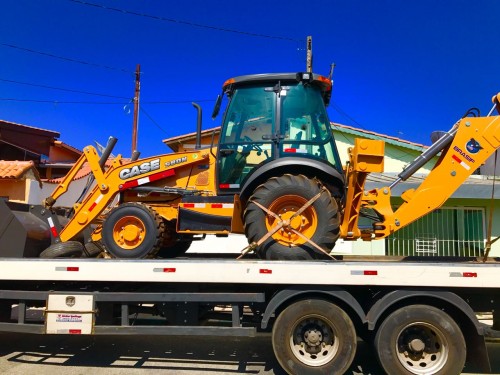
22, 234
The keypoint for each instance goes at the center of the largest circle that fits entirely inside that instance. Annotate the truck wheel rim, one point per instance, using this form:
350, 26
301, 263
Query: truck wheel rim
129, 232
285, 207
313, 341
422, 348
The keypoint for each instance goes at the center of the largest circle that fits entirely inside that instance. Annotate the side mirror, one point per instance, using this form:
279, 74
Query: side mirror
218, 103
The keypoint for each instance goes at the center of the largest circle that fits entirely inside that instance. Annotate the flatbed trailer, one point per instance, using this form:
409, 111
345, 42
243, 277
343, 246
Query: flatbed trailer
420, 314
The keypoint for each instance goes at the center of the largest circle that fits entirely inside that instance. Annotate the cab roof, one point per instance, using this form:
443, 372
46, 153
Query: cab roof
313, 78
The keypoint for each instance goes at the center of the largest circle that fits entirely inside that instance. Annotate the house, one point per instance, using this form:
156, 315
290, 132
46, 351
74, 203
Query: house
20, 181
30, 158
50, 156
459, 228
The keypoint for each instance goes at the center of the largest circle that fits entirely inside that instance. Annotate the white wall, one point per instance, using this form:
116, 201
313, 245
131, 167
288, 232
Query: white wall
488, 169
67, 199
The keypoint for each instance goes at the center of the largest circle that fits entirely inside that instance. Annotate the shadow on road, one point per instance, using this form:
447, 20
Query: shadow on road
48, 355
181, 354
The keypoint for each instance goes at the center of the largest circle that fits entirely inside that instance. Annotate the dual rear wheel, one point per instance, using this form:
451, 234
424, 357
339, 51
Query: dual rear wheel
314, 336
420, 339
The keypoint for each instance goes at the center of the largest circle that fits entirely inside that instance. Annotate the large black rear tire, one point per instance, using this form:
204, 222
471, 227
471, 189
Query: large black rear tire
285, 195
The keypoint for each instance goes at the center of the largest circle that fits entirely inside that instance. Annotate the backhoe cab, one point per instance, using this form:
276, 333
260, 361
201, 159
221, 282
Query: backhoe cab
273, 117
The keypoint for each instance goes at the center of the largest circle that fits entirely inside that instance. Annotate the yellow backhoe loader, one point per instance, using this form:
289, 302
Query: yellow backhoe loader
274, 175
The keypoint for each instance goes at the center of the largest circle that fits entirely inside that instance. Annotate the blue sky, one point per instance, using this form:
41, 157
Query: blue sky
403, 68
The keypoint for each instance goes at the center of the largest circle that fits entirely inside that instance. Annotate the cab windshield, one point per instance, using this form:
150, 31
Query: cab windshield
266, 122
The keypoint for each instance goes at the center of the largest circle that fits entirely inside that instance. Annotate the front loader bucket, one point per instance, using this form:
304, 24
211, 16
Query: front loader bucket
22, 234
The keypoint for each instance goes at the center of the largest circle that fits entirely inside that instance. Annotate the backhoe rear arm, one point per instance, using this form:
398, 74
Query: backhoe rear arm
475, 140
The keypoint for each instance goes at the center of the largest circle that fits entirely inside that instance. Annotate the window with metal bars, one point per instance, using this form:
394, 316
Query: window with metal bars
449, 231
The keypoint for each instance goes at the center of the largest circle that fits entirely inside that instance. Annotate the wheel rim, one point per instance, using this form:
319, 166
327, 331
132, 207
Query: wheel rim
314, 341
422, 348
285, 207
129, 232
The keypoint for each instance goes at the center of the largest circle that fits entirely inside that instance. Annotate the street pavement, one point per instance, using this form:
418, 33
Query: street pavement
98, 355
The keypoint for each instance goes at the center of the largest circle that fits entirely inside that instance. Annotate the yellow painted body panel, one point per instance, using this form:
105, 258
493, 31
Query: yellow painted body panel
181, 170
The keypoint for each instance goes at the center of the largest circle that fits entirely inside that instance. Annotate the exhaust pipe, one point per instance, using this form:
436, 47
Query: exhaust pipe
198, 126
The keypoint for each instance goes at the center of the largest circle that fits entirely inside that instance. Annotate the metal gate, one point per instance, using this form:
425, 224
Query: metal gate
449, 231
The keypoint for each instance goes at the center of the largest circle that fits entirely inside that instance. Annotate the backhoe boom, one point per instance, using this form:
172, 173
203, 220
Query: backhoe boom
466, 147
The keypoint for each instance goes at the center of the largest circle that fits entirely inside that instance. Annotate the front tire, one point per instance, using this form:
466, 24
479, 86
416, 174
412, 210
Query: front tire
420, 339
133, 231
313, 337
284, 196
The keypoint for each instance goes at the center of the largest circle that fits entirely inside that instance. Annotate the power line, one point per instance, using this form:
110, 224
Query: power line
64, 58
152, 120
55, 101
62, 89
343, 113
97, 102
177, 101
172, 20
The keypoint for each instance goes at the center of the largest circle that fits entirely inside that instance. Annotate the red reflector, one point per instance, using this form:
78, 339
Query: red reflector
128, 185
470, 274
290, 150
169, 270
73, 269
75, 331
188, 205
54, 231
370, 273
216, 205
264, 270
159, 176
224, 186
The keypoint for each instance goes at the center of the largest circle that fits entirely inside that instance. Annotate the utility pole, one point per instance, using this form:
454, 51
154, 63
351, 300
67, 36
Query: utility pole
135, 124
309, 61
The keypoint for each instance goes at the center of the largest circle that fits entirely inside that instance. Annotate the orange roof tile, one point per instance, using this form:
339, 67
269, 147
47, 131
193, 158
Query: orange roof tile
18, 170
84, 171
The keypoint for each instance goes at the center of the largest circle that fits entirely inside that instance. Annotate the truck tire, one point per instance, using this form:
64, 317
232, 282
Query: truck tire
68, 249
420, 339
285, 195
133, 231
314, 336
